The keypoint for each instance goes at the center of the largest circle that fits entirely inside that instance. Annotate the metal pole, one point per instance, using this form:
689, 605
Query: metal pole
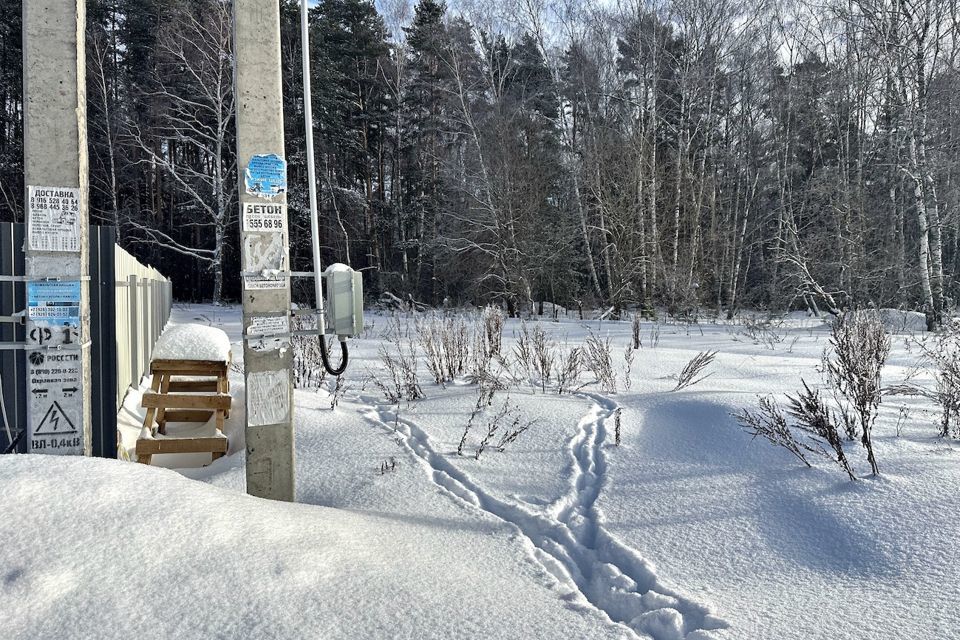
311, 167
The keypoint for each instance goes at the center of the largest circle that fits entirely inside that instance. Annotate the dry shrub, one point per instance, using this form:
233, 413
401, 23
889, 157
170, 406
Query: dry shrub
484, 399
446, 346
859, 345
815, 417
536, 354
398, 355
944, 354
508, 422
628, 357
813, 421
598, 358
771, 424
567, 370
693, 371
493, 320
308, 369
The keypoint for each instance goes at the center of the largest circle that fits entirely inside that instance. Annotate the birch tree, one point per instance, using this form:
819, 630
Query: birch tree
190, 139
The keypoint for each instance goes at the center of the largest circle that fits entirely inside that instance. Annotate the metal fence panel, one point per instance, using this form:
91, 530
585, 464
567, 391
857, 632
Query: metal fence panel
103, 369
129, 306
142, 311
13, 369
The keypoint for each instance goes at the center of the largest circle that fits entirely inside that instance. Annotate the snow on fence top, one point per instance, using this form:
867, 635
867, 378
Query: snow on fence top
193, 342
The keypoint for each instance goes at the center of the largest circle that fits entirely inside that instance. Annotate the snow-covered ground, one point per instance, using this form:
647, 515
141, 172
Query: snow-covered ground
688, 529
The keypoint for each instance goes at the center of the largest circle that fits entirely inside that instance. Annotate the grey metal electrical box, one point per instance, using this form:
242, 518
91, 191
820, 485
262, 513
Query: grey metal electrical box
344, 301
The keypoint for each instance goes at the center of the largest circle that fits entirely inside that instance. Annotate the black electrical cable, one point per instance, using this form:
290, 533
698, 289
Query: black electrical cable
344, 356
13, 445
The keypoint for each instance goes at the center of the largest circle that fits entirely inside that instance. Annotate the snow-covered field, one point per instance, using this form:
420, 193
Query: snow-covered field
688, 529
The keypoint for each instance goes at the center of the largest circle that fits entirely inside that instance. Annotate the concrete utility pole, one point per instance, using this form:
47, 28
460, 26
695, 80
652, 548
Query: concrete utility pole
55, 173
266, 283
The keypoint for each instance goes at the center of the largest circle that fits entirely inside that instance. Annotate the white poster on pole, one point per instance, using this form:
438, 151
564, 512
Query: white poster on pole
268, 398
268, 333
264, 217
53, 219
264, 254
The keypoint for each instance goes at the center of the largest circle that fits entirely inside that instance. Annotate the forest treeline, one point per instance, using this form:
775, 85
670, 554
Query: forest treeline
682, 153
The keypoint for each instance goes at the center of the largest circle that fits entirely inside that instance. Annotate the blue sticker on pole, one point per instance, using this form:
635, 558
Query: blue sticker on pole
266, 176
55, 303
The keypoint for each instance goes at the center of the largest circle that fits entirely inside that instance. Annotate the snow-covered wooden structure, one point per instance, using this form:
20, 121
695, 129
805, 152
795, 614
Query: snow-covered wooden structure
189, 384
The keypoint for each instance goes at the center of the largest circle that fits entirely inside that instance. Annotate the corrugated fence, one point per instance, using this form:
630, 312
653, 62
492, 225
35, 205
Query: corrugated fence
143, 301
129, 306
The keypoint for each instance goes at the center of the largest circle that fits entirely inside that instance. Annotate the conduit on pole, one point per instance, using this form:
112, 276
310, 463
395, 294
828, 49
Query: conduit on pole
314, 214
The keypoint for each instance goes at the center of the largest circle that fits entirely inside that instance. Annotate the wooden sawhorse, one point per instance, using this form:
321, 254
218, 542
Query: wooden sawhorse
200, 391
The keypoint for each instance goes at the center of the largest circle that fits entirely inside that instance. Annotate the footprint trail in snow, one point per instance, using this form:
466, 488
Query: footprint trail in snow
568, 539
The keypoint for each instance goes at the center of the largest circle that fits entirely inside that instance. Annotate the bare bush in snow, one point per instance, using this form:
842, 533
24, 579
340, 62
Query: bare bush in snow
616, 425
544, 356
388, 465
509, 423
523, 349
815, 417
308, 370
859, 345
535, 354
598, 358
484, 400
763, 332
771, 424
693, 371
493, 320
628, 356
398, 355
944, 354
510, 434
446, 346
480, 353
654, 340
567, 370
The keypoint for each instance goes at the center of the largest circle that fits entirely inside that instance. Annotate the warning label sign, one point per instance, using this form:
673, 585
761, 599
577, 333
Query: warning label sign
55, 422
55, 390
53, 218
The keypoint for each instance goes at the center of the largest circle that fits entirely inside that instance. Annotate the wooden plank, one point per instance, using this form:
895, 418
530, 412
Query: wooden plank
188, 367
185, 401
151, 412
194, 386
153, 446
188, 415
164, 389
